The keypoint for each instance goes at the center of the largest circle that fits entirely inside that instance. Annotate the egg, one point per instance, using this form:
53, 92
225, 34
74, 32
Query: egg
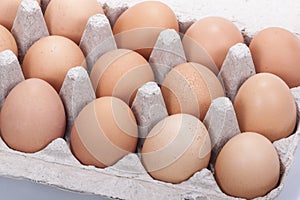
8, 12
50, 58
120, 73
7, 41
104, 131
247, 166
69, 17
190, 88
139, 26
276, 50
176, 148
32, 116
208, 40
264, 104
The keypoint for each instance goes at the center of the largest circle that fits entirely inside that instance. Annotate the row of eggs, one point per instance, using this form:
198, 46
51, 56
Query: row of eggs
188, 88
206, 41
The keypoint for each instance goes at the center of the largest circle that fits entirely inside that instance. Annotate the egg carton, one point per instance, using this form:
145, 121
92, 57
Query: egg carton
127, 179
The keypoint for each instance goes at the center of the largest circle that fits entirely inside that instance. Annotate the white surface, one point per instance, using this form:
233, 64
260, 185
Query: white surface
291, 189
28, 190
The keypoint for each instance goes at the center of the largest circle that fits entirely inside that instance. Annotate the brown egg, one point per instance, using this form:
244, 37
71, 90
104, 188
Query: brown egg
104, 131
176, 148
190, 88
7, 41
50, 58
139, 26
247, 166
8, 12
264, 104
69, 17
276, 50
32, 116
120, 73
208, 40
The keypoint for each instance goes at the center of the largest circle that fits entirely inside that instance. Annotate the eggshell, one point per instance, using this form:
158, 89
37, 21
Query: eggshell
208, 40
8, 12
104, 131
7, 41
32, 116
120, 73
139, 26
276, 50
176, 148
190, 88
247, 166
50, 58
69, 17
264, 104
